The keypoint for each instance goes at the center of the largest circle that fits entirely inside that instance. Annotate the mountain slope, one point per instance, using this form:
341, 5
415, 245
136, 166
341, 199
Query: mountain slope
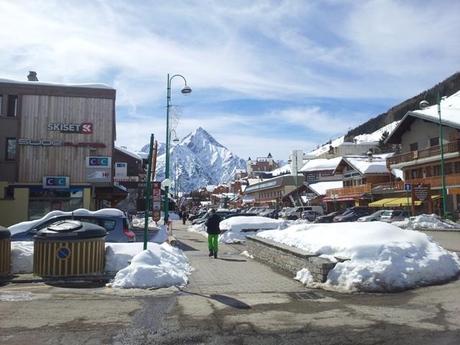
198, 160
446, 88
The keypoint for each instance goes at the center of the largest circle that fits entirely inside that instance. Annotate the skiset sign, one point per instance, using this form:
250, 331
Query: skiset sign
82, 128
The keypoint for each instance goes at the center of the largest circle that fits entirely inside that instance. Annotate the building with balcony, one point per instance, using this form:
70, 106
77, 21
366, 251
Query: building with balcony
418, 133
56, 146
360, 175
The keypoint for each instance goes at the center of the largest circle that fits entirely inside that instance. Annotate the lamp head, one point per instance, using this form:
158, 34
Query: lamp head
186, 90
424, 104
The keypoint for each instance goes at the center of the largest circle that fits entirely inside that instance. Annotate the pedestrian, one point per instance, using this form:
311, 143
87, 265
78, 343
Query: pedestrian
184, 217
212, 228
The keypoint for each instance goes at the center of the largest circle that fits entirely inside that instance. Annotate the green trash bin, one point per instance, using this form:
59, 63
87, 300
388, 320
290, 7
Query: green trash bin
69, 248
5, 252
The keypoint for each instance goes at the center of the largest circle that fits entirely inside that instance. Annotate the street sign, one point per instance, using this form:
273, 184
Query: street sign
407, 187
421, 192
156, 201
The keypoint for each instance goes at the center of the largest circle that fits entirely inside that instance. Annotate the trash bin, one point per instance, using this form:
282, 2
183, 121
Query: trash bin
69, 248
5, 252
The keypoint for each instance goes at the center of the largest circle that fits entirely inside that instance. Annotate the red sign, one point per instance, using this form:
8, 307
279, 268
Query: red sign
156, 201
421, 192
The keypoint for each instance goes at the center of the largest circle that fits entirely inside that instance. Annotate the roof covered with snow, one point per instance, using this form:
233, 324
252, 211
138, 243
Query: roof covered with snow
321, 164
285, 169
364, 165
129, 153
39, 83
320, 188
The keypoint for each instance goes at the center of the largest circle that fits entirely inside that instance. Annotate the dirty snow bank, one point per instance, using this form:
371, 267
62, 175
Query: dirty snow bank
427, 222
382, 257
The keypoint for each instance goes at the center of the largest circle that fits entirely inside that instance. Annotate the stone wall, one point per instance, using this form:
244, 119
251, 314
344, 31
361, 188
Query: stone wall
288, 258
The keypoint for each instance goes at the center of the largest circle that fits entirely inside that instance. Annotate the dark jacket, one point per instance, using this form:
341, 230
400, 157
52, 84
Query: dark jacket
212, 224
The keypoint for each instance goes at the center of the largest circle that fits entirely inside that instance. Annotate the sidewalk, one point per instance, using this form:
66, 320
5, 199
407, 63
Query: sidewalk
231, 272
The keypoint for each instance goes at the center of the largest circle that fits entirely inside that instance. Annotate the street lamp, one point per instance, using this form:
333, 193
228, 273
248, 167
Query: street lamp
185, 90
423, 104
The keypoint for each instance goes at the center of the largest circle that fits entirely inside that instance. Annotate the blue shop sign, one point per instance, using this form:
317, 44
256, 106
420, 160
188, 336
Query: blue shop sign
56, 182
98, 162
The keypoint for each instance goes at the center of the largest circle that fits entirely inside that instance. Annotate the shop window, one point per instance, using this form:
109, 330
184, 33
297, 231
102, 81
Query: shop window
12, 109
413, 147
434, 141
10, 147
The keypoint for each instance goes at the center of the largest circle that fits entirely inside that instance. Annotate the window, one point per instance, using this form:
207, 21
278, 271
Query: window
12, 109
10, 149
1, 104
413, 146
448, 168
437, 170
434, 141
457, 167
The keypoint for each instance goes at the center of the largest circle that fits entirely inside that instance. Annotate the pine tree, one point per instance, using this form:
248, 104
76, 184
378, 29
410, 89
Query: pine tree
384, 147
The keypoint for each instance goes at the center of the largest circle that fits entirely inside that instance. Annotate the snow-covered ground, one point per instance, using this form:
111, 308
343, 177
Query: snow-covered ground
427, 222
161, 265
380, 256
236, 228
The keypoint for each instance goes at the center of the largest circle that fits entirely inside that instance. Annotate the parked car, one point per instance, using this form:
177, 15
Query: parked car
117, 225
372, 217
327, 218
394, 215
310, 215
352, 214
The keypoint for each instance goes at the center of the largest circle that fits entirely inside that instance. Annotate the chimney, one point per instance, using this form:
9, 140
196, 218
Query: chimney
32, 76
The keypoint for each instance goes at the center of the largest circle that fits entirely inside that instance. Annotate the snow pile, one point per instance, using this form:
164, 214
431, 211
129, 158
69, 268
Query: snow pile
22, 257
427, 222
139, 222
24, 226
382, 257
304, 276
237, 227
158, 266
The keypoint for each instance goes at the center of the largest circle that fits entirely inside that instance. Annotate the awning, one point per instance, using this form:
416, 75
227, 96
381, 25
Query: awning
381, 202
394, 202
343, 198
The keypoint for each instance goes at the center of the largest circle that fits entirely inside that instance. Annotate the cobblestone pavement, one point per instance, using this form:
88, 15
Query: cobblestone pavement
230, 300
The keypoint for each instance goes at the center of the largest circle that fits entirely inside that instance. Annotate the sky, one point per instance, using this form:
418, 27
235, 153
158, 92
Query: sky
267, 76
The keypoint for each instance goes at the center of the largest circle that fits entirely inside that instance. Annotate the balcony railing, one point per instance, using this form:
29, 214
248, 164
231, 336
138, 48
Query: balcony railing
452, 146
345, 191
435, 181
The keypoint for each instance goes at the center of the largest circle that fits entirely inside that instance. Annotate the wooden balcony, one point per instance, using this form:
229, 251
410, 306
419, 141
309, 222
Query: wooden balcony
435, 181
452, 146
346, 191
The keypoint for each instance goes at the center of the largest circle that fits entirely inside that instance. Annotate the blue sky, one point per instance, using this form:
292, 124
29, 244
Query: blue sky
267, 76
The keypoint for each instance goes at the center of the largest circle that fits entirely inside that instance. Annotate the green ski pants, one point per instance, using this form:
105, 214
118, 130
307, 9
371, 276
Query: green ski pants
213, 239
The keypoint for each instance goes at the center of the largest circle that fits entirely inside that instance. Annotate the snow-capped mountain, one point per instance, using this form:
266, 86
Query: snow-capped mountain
196, 161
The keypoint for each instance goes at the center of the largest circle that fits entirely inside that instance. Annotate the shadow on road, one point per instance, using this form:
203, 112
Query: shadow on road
227, 300
233, 260
185, 247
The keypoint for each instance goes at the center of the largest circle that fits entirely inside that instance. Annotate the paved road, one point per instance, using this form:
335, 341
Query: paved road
231, 300
447, 239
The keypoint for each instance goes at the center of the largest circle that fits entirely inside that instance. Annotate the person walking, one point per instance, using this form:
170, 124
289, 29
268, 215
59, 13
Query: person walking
184, 217
212, 228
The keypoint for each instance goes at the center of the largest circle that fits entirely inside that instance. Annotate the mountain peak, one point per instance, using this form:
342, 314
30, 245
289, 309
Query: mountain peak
201, 133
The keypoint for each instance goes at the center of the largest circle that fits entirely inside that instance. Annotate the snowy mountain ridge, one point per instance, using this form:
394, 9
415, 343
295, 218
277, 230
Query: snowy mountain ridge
196, 161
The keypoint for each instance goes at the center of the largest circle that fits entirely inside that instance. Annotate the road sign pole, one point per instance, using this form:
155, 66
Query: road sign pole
147, 192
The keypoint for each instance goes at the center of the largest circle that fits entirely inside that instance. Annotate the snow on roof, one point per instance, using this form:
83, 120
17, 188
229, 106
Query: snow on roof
377, 165
324, 148
377, 135
285, 169
320, 188
40, 83
450, 110
129, 153
210, 188
321, 164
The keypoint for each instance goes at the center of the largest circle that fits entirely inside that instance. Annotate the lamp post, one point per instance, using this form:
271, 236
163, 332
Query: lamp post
423, 105
185, 90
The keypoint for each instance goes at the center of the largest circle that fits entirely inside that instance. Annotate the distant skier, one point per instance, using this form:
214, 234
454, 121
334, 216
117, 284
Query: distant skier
212, 228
